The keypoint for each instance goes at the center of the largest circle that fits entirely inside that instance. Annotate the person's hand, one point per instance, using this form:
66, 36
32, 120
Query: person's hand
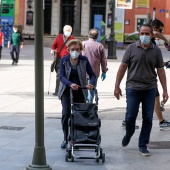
117, 92
22, 46
74, 86
2, 45
167, 64
168, 48
103, 76
165, 97
90, 87
52, 52
8, 46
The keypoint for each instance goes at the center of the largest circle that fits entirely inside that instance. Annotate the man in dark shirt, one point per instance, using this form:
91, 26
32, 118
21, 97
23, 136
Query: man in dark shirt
141, 59
158, 27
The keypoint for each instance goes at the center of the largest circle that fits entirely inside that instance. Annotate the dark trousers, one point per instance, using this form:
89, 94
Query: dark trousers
0, 51
16, 49
134, 98
57, 70
66, 107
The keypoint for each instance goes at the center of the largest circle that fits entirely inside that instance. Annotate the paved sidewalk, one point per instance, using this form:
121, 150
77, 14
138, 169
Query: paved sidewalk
17, 109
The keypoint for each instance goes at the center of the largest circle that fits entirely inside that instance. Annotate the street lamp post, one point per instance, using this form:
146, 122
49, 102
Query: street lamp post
39, 155
112, 42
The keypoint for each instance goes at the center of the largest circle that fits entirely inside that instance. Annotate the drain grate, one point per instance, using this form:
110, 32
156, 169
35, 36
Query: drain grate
159, 145
11, 128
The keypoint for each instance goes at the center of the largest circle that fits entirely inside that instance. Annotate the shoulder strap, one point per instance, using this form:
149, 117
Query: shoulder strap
63, 45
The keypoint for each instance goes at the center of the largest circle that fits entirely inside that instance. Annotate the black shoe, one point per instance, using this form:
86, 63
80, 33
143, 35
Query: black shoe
125, 141
55, 94
124, 125
64, 144
144, 152
13, 63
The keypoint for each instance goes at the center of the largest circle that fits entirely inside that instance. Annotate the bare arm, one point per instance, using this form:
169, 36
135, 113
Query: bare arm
9, 43
2, 39
160, 36
119, 77
162, 78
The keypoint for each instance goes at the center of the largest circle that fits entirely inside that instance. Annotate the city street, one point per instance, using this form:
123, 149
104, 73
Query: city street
17, 120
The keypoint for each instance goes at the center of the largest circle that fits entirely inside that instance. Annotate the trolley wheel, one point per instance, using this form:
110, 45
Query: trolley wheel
101, 151
99, 122
72, 159
69, 153
103, 157
66, 157
97, 159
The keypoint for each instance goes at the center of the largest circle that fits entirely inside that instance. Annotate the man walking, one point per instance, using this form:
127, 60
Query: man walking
95, 52
158, 27
15, 43
141, 59
59, 47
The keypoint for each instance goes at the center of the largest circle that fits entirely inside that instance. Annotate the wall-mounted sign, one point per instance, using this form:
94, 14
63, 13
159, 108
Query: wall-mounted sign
142, 3
127, 22
125, 4
7, 8
162, 11
29, 18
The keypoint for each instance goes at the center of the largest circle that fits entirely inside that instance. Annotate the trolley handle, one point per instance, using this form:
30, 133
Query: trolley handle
95, 93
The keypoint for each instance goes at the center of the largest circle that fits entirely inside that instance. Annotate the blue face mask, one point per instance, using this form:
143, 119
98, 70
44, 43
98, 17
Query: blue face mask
145, 39
74, 54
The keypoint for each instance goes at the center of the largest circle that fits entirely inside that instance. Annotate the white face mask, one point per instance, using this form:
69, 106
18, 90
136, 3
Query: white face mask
74, 54
67, 33
14, 30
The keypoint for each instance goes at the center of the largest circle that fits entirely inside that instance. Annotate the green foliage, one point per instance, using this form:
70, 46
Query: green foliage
132, 37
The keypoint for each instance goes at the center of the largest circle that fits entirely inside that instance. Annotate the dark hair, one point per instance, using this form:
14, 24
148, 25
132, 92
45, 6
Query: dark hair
93, 33
157, 23
15, 26
146, 25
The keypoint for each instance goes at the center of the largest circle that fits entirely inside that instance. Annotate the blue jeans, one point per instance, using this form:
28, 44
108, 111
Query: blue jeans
147, 98
90, 96
16, 49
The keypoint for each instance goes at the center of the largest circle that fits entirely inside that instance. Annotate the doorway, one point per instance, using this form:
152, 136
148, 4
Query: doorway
67, 13
97, 8
47, 17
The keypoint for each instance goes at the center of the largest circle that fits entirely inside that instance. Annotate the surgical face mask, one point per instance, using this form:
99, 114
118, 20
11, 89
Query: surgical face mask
74, 54
14, 30
67, 33
145, 39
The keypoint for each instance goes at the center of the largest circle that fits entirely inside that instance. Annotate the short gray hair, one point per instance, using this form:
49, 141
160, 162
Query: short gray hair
67, 26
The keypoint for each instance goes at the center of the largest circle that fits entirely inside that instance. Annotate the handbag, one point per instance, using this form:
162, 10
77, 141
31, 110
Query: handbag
56, 60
